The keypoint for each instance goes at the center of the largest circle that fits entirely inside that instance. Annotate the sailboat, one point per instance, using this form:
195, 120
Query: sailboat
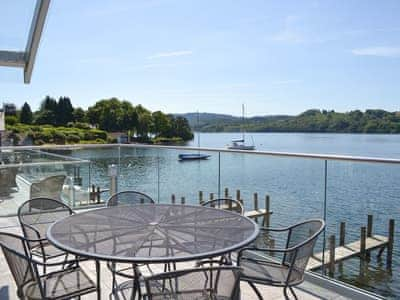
194, 156
240, 144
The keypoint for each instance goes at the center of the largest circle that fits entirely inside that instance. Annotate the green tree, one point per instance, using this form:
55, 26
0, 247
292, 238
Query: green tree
144, 122
79, 115
48, 103
45, 117
26, 115
161, 125
47, 113
182, 129
64, 111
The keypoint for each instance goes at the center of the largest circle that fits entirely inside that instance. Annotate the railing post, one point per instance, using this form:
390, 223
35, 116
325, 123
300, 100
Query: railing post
173, 198
183, 200
200, 197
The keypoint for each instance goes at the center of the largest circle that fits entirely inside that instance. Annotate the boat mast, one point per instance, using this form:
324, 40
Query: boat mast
242, 128
198, 131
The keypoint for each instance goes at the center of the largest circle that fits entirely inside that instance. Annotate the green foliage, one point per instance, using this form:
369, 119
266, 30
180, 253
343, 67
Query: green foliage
26, 115
11, 120
112, 115
79, 115
45, 116
64, 111
314, 120
60, 123
73, 139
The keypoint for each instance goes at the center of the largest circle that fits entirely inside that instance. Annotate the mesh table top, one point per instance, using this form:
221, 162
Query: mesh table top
150, 233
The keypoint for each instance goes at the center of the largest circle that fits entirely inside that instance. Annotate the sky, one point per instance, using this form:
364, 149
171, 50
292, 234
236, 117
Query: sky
276, 57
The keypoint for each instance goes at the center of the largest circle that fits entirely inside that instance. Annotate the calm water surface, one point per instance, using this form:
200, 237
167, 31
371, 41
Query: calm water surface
296, 186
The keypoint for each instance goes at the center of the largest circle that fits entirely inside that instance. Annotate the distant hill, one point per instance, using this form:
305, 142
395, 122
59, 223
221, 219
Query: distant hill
312, 120
210, 122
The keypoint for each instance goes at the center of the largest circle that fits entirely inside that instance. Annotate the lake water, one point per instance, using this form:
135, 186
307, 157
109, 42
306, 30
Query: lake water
295, 186
381, 145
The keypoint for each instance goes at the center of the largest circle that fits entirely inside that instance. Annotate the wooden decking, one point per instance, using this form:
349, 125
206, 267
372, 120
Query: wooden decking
347, 251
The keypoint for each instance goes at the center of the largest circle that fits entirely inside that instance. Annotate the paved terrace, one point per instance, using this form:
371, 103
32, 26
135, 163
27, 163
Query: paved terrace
313, 288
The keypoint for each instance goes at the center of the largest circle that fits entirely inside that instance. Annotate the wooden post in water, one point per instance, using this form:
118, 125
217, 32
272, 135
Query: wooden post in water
369, 234
267, 212
255, 199
98, 194
369, 225
238, 197
332, 246
226, 193
173, 198
363, 237
182, 200
272, 246
389, 254
342, 235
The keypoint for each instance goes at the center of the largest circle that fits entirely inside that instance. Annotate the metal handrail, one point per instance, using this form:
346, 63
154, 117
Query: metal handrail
221, 150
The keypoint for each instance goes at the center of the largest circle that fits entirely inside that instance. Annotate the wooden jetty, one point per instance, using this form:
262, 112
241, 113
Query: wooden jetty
256, 213
361, 248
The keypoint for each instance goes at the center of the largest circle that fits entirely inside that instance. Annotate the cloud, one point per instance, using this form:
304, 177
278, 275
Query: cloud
171, 54
377, 51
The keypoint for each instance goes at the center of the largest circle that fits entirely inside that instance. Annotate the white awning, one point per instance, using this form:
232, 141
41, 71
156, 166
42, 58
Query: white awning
25, 59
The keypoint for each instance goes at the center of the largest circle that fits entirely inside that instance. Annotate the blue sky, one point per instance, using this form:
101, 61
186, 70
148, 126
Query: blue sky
277, 57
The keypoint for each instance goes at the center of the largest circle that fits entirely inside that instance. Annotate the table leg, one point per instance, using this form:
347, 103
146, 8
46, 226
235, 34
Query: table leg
98, 280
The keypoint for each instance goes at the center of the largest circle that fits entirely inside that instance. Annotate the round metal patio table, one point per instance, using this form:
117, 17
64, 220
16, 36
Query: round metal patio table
152, 233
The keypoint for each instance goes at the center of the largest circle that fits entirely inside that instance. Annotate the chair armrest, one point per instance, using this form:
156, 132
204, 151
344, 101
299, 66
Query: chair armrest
28, 239
60, 263
281, 229
208, 261
32, 229
241, 251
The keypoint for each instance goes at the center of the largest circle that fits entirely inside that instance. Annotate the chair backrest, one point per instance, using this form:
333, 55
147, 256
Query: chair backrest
50, 187
18, 260
36, 216
204, 283
129, 198
302, 238
225, 203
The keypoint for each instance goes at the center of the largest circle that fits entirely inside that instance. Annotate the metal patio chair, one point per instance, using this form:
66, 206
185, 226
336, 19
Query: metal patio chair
225, 203
118, 199
36, 216
289, 271
63, 284
49, 187
220, 283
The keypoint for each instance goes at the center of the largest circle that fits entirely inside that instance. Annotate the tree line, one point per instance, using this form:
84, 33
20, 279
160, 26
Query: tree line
109, 115
315, 120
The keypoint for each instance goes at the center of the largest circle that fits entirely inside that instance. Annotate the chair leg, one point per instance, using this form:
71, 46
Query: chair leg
252, 285
293, 293
285, 293
114, 283
291, 290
